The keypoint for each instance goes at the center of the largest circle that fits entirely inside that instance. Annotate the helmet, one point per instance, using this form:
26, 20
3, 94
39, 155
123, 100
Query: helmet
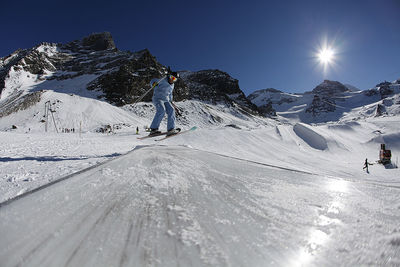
173, 78
174, 73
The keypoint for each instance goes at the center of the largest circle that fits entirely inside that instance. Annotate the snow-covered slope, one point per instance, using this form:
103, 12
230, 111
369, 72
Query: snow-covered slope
332, 101
266, 194
240, 190
91, 67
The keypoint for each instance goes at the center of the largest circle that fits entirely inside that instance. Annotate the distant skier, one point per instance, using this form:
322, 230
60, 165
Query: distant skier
366, 165
162, 100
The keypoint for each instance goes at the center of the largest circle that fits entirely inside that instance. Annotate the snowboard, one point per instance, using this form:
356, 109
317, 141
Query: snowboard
181, 132
150, 136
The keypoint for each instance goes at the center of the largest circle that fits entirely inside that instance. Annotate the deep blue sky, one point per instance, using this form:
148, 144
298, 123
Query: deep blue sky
263, 44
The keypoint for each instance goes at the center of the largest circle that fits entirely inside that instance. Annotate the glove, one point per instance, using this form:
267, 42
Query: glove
154, 84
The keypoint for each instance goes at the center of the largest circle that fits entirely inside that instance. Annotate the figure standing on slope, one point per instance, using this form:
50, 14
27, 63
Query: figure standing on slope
366, 165
162, 100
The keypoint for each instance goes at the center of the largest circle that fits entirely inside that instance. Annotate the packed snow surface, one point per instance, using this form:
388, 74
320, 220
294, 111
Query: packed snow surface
256, 193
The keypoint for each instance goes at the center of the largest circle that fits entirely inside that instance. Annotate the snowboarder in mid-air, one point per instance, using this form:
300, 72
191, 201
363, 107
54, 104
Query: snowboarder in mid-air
162, 100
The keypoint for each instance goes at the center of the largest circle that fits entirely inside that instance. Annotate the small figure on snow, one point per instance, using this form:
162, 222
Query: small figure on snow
366, 165
137, 130
162, 100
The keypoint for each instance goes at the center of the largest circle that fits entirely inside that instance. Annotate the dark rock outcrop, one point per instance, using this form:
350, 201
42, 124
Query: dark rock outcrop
132, 79
16, 103
120, 77
99, 41
325, 96
385, 89
217, 86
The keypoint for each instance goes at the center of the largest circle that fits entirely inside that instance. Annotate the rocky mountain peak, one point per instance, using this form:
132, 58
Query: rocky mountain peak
94, 66
328, 87
93, 42
216, 80
325, 95
216, 86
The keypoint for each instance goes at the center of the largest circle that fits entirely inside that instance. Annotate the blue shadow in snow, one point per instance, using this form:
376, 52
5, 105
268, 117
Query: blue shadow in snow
54, 159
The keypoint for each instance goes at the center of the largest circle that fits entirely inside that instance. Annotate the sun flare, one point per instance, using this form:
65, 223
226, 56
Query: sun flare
326, 55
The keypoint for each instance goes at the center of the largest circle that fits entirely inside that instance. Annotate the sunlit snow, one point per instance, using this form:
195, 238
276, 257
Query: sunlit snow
262, 193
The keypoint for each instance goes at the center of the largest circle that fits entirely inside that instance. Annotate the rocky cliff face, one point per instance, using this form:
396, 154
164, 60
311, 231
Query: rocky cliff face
216, 86
389, 94
332, 101
119, 77
325, 97
131, 79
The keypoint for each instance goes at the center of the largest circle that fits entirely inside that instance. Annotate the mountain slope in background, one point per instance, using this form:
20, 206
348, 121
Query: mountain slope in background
94, 68
332, 101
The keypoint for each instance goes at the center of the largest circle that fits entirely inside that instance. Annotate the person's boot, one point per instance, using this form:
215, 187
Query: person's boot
154, 132
173, 131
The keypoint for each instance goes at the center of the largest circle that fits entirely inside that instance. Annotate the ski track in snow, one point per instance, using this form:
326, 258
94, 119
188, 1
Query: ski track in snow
215, 197
147, 209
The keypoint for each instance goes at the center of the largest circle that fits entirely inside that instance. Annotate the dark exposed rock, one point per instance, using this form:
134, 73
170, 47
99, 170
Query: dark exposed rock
385, 90
93, 42
325, 96
16, 103
37, 63
217, 86
99, 41
267, 109
371, 92
212, 85
330, 88
380, 110
321, 104
9, 62
266, 98
132, 80
121, 77
385, 83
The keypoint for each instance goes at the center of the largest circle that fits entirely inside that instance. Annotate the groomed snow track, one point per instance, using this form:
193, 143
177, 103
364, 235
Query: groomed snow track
174, 206
8, 201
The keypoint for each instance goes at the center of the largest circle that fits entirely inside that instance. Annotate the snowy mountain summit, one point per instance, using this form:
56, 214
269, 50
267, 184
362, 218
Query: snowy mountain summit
91, 64
325, 97
332, 101
94, 67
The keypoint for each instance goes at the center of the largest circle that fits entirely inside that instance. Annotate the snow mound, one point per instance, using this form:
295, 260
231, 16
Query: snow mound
309, 136
392, 141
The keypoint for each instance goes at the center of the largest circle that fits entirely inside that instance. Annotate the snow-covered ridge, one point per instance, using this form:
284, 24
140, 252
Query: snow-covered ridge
93, 67
53, 66
332, 101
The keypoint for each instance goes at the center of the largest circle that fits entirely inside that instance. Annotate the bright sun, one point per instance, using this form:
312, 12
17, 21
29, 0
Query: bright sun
326, 55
